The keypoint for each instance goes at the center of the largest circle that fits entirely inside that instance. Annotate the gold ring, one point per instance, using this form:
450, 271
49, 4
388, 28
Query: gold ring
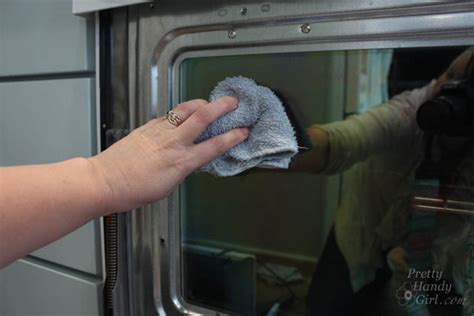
173, 118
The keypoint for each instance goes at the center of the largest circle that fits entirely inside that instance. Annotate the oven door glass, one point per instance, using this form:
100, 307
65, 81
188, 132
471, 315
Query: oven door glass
385, 228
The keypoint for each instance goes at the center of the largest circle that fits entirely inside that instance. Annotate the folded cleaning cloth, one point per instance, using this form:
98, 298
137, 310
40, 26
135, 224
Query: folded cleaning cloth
271, 142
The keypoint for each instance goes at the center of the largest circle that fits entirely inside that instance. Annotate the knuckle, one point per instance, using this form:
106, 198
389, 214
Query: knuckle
219, 145
187, 106
225, 104
184, 163
181, 107
204, 115
200, 102
188, 165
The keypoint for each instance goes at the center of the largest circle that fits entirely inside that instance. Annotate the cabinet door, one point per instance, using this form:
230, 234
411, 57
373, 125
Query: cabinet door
44, 37
31, 288
46, 121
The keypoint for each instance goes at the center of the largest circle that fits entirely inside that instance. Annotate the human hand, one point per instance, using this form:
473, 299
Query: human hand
461, 68
398, 258
151, 161
315, 159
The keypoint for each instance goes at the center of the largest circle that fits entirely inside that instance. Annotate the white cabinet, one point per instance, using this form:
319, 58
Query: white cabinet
29, 288
44, 37
46, 121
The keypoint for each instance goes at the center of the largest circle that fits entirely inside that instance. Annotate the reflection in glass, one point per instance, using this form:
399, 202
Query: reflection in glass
251, 243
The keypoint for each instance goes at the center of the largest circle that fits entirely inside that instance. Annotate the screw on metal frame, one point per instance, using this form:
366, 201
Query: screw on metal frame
266, 7
243, 11
306, 28
232, 34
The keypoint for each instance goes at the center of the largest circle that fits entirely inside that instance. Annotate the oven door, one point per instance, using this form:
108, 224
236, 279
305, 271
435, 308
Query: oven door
287, 243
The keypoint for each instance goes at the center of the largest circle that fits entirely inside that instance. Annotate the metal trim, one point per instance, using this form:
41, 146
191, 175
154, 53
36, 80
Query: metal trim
89, 6
211, 44
156, 227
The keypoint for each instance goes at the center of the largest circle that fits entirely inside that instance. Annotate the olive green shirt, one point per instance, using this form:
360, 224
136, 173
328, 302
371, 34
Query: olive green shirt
383, 146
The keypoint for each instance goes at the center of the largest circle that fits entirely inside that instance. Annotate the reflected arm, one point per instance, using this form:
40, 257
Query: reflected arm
315, 159
389, 126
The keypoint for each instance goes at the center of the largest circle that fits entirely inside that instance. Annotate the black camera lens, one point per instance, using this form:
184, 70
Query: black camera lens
451, 112
435, 115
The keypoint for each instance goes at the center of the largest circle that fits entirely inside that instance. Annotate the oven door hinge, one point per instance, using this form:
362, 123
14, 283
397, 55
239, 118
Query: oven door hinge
111, 236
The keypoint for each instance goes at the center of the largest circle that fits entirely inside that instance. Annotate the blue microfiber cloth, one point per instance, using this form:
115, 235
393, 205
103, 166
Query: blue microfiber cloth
271, 142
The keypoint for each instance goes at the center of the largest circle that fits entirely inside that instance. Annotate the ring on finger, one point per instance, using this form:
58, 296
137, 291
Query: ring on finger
173, 118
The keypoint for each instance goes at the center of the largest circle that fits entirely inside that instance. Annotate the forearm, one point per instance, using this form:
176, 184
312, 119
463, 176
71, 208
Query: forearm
387, 127
339, 145
41, 203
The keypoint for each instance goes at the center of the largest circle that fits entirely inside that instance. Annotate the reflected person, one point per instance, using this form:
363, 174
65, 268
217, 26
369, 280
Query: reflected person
385, 146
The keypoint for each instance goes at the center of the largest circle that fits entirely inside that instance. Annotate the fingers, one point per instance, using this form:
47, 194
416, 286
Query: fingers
191, 128
399, 259
461, 67
186, 109
470, 64
217, 145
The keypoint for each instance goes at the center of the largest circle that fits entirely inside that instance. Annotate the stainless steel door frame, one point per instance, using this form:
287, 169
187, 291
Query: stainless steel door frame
160, 38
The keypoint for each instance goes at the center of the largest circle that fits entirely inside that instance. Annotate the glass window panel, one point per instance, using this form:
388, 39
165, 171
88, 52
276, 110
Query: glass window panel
251, 243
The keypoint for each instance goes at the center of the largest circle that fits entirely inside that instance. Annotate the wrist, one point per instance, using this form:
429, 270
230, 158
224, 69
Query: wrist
320, 141
316, 159
101, 189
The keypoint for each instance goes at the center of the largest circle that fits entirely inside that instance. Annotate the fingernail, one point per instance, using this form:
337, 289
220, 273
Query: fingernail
235, 100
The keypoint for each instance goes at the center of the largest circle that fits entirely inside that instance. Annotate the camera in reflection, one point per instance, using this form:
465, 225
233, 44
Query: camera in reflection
451, 112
